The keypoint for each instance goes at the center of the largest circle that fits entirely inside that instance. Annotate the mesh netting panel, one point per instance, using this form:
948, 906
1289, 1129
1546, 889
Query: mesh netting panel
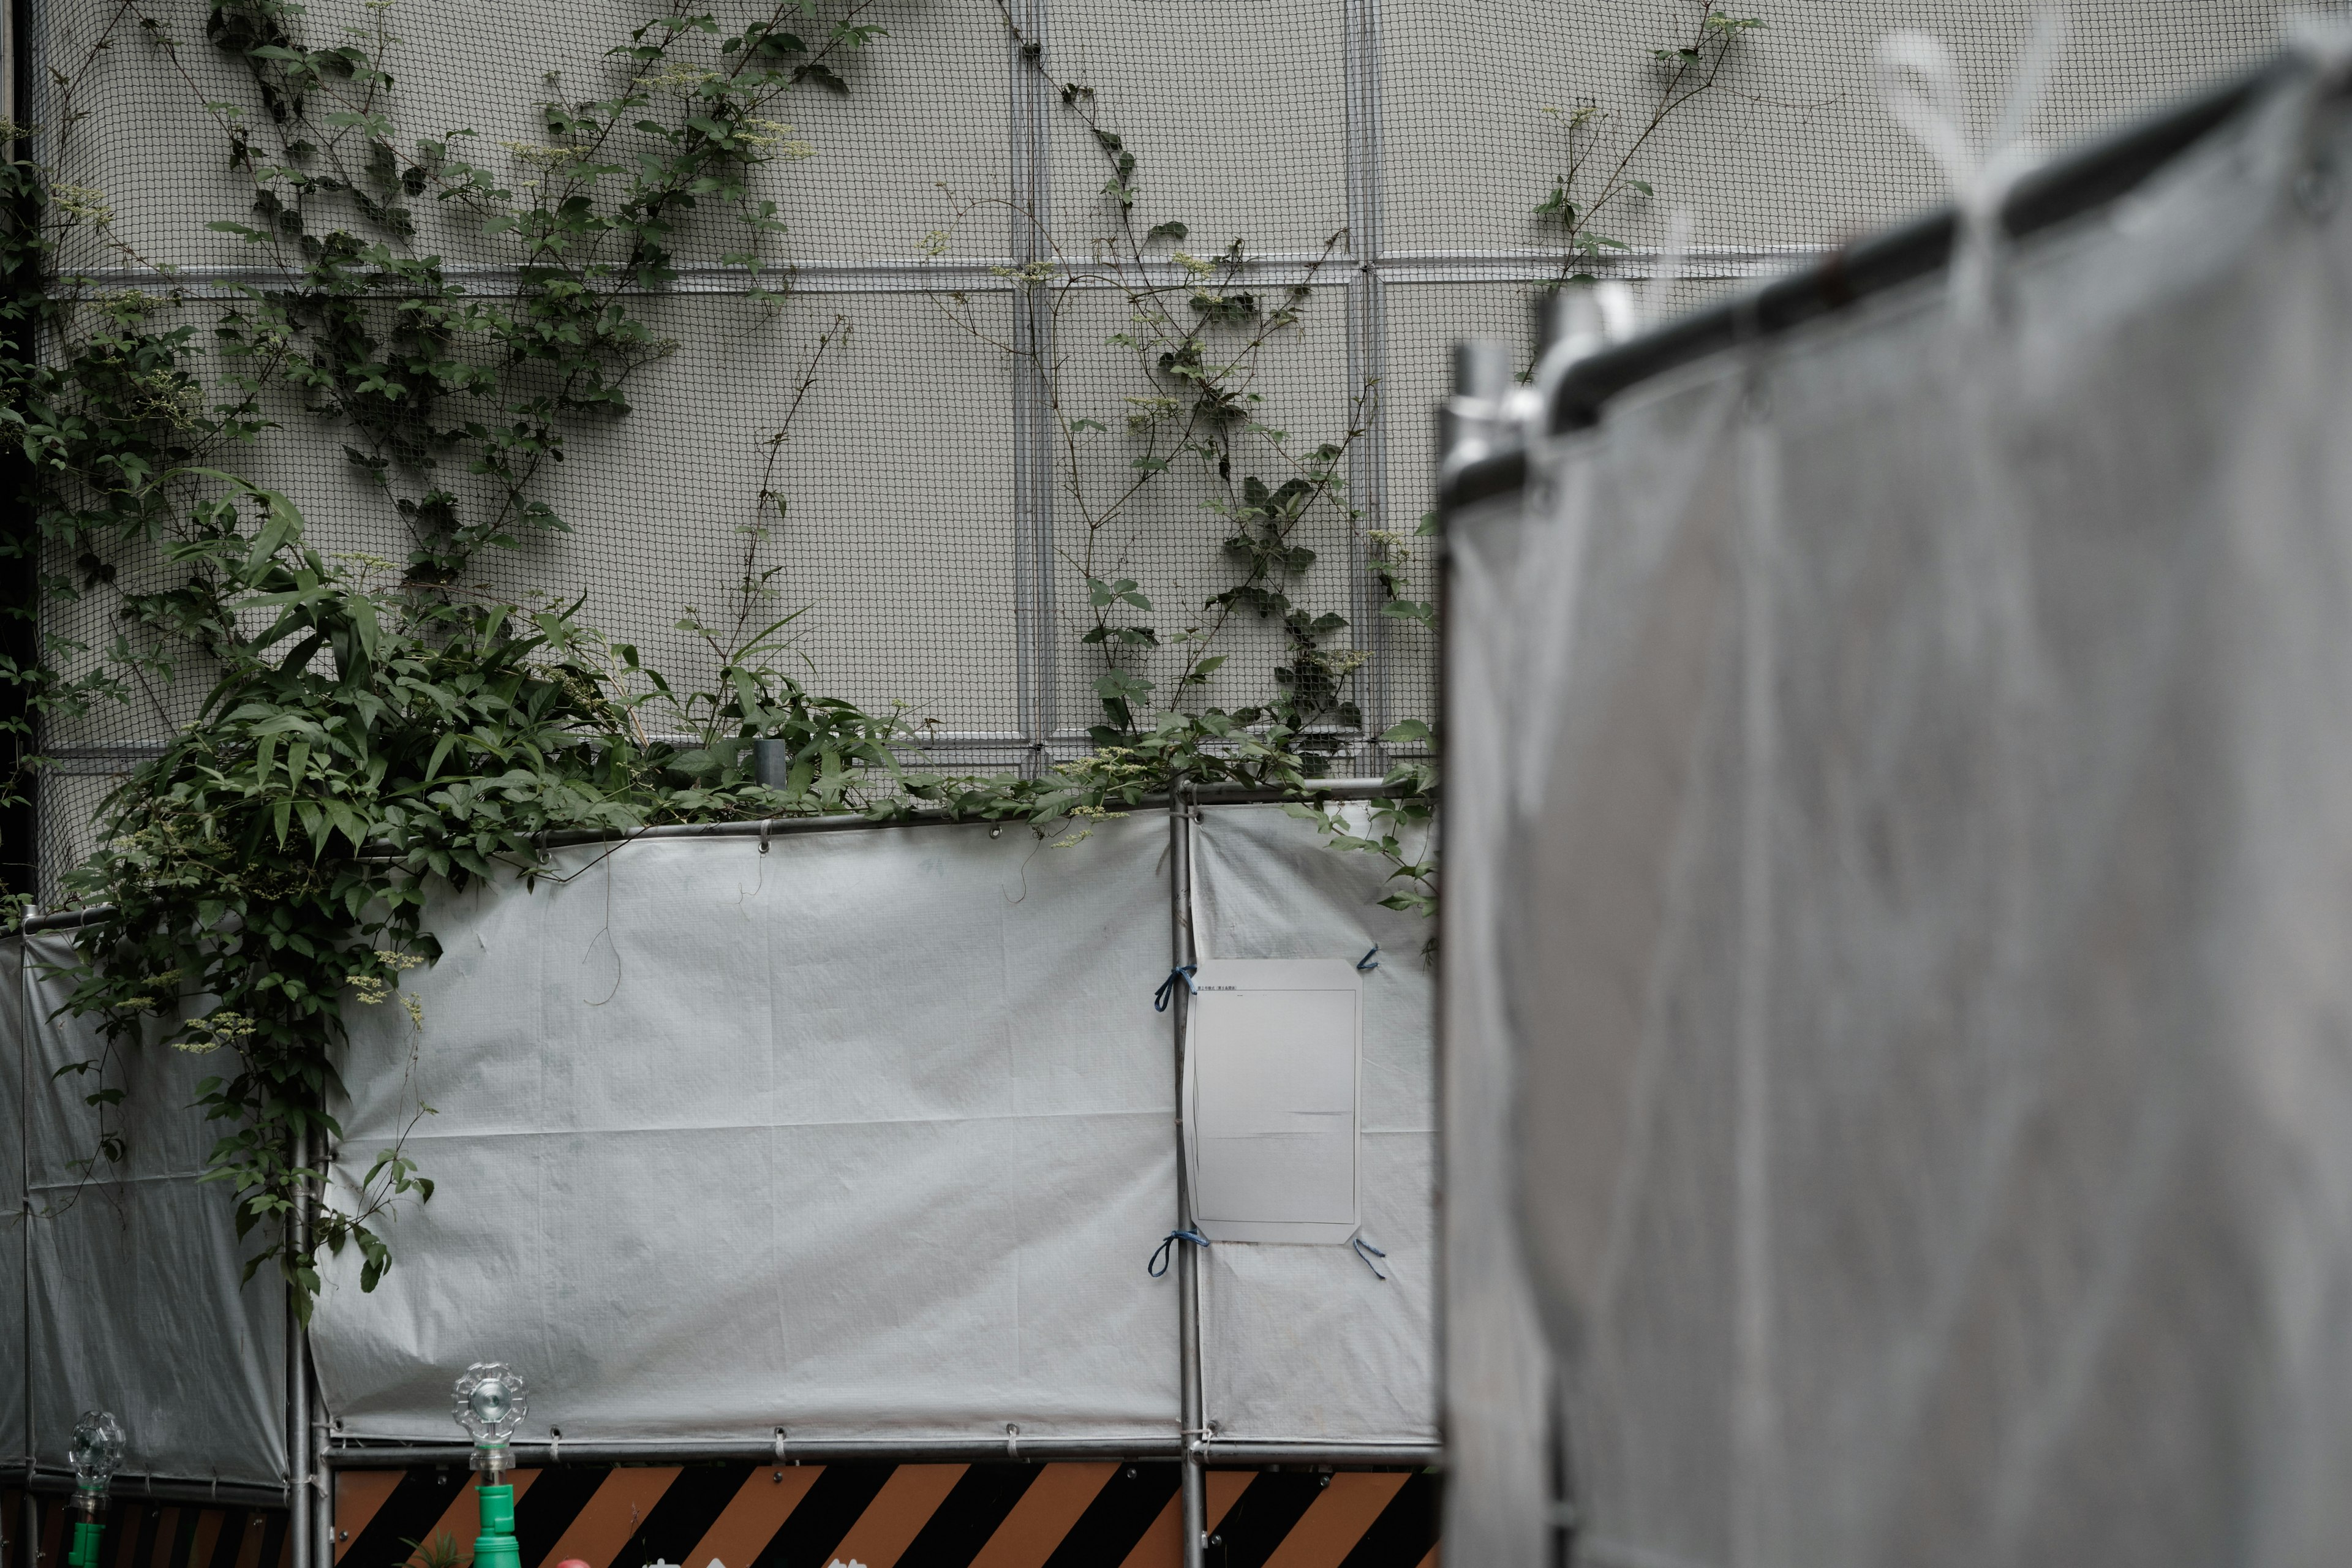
961, 195
1235, 111
1784, 145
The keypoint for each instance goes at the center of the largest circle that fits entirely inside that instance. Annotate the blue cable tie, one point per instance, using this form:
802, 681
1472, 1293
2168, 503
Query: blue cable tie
1184, 972
1367, 1251
1368, 963
1160, 1259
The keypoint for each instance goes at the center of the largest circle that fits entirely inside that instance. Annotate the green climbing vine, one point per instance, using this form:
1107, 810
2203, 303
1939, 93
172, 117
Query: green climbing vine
1195, 335
1601, 150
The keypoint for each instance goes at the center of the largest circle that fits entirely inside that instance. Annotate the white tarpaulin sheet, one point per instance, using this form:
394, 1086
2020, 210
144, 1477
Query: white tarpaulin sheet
867, 1135
15, 1228
135, 1301
1905, 790
1305, 1342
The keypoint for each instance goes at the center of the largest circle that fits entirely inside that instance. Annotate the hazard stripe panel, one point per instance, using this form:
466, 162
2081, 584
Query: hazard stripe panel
873, 1515
157, 1535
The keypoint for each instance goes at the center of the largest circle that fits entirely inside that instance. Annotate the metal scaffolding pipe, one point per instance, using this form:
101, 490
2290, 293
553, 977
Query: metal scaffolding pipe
1183, 956
298, 1382
2067, 187
1210, 795
155, 1489
901, 1450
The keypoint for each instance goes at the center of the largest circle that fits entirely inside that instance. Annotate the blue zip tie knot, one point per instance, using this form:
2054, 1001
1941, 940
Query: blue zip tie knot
1161, 998
1160, 1259
1368, 963
1367, 1251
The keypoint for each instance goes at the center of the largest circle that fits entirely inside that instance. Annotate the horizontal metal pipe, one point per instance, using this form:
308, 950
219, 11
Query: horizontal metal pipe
1208, 795
1002, 275
818, 1450
2065, 187
901, 1450
67, 919
163, 1489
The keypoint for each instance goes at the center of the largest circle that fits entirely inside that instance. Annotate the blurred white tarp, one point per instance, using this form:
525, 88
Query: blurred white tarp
130, 1274
867, 1135
1899, 905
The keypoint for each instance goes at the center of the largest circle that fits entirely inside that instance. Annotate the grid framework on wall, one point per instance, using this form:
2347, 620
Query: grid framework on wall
1414, 139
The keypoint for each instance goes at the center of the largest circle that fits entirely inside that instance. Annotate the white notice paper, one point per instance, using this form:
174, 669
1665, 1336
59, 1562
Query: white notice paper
1271, 1089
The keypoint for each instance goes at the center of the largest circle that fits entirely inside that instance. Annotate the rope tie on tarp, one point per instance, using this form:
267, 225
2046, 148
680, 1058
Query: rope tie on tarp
1367, 1251
1161, 1259
1166, 991
1368, 963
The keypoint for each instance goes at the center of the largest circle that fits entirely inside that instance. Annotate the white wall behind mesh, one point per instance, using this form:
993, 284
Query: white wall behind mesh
1404, 142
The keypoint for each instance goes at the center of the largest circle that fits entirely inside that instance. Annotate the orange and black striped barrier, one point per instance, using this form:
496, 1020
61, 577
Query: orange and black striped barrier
162, 1535
880, 1515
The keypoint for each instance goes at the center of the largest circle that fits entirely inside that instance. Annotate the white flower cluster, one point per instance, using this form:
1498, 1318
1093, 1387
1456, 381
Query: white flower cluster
220, 1028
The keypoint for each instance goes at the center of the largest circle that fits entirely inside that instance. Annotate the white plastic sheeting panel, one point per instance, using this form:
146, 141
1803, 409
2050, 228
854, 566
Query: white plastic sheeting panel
867, 1135
1271, 1099
1908, 850
16, 1229
136, 1302
1305, 1341
871, 1135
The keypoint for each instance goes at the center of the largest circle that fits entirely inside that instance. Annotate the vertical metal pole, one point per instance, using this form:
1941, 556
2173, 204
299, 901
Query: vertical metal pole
297, 1381
1367, 358
28, 1553
1033, 393
22, 100
1019, 239
1045, 426
1195, 1509
322, 1479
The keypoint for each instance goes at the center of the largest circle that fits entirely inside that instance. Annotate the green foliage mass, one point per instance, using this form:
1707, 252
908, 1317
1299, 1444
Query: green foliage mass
365, 744
1596, 182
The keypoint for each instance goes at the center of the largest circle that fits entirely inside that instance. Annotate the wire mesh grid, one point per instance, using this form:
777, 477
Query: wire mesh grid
1769, 138
977, 202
